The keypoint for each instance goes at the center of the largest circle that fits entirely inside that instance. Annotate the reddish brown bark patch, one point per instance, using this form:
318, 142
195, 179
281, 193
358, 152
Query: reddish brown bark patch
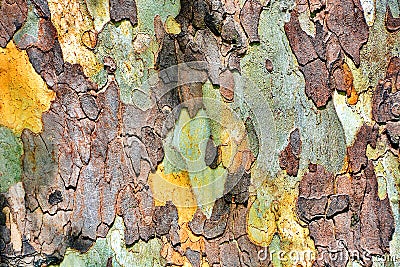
386, 102
289, 158
227, 85
340, 26
123, 9
316, 184
307, 51
316, 76
392, 24
386, 98
249, 18
268, 65
12, 16
349, 220
345, 18
128, 208
299, 41
193, 257
153, 145
393, 133
367, 135
376, 218
226, 225
337, 204
311, 208
322, 232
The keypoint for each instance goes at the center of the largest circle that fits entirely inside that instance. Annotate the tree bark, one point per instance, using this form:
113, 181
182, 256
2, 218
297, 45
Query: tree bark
199, 133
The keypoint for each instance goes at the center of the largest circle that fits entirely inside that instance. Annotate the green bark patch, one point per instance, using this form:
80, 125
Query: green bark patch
10, 159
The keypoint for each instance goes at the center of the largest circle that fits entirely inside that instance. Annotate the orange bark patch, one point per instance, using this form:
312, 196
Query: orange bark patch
24, 96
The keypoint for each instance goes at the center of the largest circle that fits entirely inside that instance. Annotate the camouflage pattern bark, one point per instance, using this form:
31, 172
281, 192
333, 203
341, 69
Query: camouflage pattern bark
199, 133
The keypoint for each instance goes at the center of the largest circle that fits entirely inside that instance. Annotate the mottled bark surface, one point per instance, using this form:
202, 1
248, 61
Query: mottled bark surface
199, 133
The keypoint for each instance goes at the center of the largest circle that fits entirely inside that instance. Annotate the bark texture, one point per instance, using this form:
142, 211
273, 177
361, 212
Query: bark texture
199, 133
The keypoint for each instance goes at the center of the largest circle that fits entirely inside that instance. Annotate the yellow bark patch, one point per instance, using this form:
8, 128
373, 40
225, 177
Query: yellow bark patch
100, 12
76, 33
352, 96
278, 216
89, 39
172, 26
189, 240
24, 95
174, 187
172, 256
